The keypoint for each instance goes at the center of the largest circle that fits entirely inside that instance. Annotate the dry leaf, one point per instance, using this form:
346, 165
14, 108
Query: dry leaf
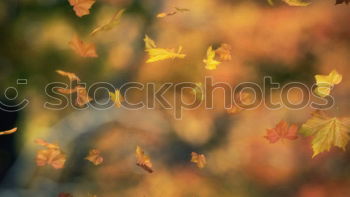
94, 157
83, 49
243, 98
8, 132
224, 52
81, 7
143, 160
326, 82
71, 76
117, 98
326, 132
52, 155
198, 159
281, 132
110, 25
210, 62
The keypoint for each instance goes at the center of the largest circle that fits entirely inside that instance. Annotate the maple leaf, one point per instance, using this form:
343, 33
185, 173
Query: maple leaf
282, 131
198, 159
81, 7
71, 76
149, 43
299, 3
83, 49
342, 1
224, 52
94, 157
143, 160
117, 98
8, 132
326, 132
326, 82
52, 155
210, 62
111, 24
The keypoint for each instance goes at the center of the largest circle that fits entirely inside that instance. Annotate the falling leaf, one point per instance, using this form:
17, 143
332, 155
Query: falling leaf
83, 49
117, 98
326, 82
71, 76
8, 132
111, 24
224, 52
270, 2
198, 159
342, 1
149, 43
82, 96
62, 194
52, 155
281, 132
165, 14
296, 3
94, 157
177, 10
326, 132
81, 7
143, 160
66, 90
210, 62
158, 54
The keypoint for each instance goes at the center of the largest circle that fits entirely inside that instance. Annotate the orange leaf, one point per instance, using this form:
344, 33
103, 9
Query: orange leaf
52, 155
224, 52
8, 131
71, 76
81, 7
82, 96
83, 49
143, 160
281, 131
94, 157
198, 159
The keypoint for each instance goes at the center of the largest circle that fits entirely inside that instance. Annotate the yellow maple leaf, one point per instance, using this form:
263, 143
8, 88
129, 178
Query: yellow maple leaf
210, 62
326, 132
326, 82
117, 98
111, 24
198, 159
143, 160
296, 3
158, 54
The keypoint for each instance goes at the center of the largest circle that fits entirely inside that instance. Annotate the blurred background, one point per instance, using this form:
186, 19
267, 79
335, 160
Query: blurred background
287, 43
